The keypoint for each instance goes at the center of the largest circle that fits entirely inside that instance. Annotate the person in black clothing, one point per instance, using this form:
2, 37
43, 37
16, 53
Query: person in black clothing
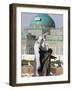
42, 53
46, 69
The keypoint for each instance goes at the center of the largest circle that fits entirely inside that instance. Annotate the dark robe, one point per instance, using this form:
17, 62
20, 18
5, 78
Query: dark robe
47, 64
45, 61
42, 55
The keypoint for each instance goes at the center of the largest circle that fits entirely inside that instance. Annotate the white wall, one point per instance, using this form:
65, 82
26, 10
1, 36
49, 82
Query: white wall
4, 44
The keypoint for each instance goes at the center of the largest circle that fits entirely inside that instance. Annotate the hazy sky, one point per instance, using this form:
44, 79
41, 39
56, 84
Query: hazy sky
27, 17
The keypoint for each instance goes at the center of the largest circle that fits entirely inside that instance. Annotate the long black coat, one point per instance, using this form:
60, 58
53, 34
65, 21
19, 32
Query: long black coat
42, 56
45, 62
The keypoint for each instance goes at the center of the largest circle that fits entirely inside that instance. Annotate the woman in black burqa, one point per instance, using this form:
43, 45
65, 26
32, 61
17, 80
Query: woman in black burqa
45, 62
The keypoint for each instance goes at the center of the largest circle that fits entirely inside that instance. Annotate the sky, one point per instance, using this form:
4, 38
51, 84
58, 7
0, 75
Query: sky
27, 17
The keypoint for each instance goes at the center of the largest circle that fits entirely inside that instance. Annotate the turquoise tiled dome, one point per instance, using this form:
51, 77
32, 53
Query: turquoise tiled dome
43, 19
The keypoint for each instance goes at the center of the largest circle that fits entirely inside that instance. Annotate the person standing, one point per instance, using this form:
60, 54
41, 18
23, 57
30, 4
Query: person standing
37, 45
43, 50
47, 63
